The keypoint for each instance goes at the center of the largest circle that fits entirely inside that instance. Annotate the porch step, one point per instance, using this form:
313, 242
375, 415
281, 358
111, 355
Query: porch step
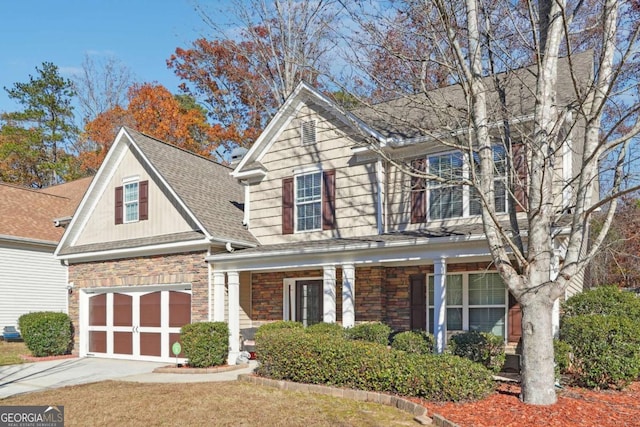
511, 348
511, 363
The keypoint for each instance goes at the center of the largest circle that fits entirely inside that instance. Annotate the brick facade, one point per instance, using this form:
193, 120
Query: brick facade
153, 270
382, 293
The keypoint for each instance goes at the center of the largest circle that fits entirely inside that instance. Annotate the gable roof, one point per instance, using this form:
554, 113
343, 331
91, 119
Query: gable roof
410, 117
28, 214
203, 188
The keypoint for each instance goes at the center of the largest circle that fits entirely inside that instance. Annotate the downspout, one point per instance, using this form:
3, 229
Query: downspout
381, 199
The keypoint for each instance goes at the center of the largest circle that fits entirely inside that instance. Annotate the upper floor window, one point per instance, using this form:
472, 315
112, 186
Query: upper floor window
447, 197
132, 201
309, 132
131, 213
309, 201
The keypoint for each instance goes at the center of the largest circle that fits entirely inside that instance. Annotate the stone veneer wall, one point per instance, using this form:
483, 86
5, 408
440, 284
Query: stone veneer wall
153, 270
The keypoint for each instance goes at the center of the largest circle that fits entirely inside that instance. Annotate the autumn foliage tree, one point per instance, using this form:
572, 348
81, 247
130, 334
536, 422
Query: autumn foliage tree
153, 110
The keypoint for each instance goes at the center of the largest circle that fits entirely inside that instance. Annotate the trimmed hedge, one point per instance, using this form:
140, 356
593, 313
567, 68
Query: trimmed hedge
372, 332
47, 333
562, 354
327, 328
315, 358
420, 342
606, 350
480, 347
205, 344
604, 300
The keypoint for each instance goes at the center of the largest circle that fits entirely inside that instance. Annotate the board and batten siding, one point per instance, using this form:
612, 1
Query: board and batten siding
355, 184
164, 216
30, 280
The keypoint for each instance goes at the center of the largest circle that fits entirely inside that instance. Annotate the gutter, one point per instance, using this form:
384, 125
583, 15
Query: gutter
28, 240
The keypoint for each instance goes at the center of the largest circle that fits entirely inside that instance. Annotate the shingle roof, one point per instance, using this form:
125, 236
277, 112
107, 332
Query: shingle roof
205, 187
29, 213
447, 109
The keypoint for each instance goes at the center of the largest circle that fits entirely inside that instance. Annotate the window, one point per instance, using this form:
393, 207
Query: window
451, 200
131, 202
309, 132
475, 301
309, 202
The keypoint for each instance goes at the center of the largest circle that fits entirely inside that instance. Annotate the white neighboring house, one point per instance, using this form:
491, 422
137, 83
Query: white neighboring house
31, 225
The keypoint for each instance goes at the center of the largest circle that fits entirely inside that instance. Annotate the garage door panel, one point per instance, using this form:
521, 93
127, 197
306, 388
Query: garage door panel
179, 309
98, 341
150, 344
122, 310
151, 310
98, 310
123, 343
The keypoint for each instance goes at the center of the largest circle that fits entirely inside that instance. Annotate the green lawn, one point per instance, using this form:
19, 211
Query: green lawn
10, 352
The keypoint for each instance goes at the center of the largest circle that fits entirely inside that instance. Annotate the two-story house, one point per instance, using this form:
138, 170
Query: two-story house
311, 225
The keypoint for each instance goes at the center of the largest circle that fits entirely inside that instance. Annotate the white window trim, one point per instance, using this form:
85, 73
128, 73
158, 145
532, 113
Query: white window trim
466, 189
465, 302
125, 182
295, 199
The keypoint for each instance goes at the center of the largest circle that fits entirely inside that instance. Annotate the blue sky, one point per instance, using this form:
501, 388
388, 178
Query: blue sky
142, 34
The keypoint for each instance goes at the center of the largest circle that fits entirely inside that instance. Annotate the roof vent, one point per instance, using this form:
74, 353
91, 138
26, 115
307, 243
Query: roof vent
237, 154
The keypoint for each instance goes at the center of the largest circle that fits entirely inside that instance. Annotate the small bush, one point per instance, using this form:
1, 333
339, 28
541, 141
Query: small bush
205, 344
606, 350
480, 347
420, 342
315, 358
326, 328
47, 333
604, 300
372, 332
280, 324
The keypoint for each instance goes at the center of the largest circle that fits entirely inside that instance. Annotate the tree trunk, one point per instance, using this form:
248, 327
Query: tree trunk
538, 377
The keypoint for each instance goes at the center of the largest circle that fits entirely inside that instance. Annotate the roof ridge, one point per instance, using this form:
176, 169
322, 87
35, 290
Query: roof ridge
129, 129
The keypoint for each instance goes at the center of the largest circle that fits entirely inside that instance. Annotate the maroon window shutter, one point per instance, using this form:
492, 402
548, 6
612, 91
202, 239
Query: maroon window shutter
287, 205
144, 200
118, 205
418, 193
521, 176
329, 200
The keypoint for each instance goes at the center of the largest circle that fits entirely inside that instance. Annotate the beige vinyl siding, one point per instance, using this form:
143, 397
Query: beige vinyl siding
164, 216
356, 188
30, 280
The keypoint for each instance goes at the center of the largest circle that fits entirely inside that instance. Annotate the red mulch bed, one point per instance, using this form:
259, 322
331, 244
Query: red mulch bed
576, 407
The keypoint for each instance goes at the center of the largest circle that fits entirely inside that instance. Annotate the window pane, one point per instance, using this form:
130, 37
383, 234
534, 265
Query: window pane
131, 192
487, 320
445, 202
308, 201
447, 166
454, 319
309, 215
131, 212
454, 289
131, 202
486, 289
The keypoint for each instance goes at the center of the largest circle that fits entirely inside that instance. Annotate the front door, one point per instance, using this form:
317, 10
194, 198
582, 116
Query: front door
309, 302
136, 324
418, 301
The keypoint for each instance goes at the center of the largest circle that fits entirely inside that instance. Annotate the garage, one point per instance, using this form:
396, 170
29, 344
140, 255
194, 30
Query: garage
139, 323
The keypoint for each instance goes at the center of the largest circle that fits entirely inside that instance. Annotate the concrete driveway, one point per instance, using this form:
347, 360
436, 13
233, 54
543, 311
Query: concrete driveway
30, 377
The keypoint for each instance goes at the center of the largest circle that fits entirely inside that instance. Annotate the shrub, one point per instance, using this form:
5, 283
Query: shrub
326, 328
314, 358
562, 356
206, 343
480, 347
605, 300
420, 342
47, 333
606, 350
372, 332
280, 324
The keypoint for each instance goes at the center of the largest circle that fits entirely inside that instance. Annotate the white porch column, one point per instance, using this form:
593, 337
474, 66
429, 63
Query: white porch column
329, 294
348, 295
555, 313
234, 316
440, 304
218, 296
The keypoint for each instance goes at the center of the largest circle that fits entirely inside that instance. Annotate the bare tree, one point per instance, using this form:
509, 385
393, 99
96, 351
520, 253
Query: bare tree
577, 100
101, 85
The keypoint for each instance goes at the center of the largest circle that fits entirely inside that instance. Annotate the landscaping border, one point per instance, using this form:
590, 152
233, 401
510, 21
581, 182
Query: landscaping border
172, 369
419, 412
